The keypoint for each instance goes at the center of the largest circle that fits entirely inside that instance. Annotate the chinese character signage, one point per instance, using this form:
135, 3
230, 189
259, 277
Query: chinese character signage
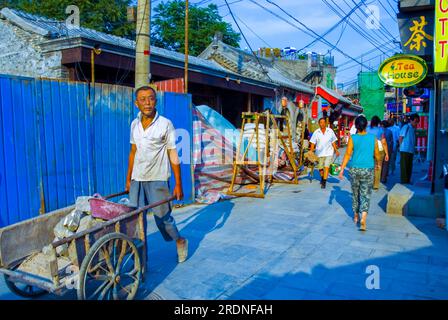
441, 37
403, 70
417, 32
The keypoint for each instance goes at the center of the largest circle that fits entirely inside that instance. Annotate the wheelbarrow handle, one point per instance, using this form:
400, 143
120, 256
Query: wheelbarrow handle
116, 195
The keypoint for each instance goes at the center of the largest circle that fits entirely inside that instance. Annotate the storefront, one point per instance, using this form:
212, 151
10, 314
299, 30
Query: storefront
340, 113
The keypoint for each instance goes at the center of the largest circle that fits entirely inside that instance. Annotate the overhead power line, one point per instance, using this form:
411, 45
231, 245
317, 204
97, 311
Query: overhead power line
382, 29
307, 30
247, 42
387, 11
375, 42
250, 29
364, 54
332, 28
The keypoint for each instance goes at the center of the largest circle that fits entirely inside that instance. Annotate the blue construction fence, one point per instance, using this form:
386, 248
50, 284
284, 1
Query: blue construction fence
60, 140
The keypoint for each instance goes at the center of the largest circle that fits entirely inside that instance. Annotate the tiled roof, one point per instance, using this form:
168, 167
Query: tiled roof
252, 66
54, 29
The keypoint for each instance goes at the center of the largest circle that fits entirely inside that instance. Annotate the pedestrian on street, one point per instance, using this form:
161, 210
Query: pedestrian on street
362, 148
153, 151
407, 147
390, 145
323, 141
396, 136
378, 132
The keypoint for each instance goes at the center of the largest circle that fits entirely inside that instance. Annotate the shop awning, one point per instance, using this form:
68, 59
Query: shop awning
334, 98
331, 96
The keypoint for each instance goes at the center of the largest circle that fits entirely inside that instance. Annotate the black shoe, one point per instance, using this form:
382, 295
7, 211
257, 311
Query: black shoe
323, 184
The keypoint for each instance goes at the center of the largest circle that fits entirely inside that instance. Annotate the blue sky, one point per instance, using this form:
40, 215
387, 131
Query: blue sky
262, 28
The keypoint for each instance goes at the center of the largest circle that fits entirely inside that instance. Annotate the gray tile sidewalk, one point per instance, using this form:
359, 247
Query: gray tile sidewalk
301, 246
297, 246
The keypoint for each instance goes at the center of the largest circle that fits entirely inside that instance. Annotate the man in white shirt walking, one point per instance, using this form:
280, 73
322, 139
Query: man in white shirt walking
153, 151
324, 142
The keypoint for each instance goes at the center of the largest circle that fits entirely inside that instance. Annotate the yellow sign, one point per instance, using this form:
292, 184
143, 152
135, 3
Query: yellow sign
441, 37
403, 70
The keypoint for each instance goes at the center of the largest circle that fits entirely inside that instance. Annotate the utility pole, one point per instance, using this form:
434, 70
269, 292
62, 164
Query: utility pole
142, 49
186, 48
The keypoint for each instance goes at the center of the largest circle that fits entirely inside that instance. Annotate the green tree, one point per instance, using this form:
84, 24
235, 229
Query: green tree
108, 16
168, 27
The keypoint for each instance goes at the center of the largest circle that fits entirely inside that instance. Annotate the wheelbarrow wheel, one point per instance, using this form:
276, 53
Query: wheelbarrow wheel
23, 289
111, 269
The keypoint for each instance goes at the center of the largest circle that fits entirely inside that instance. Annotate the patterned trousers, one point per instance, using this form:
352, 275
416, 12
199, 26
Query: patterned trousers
362, 184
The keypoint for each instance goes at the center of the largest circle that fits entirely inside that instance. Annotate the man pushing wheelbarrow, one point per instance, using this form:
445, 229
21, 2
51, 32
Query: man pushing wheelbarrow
153, 151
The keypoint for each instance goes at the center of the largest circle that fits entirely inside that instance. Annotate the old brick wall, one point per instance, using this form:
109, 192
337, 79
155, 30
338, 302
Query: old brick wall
21, 54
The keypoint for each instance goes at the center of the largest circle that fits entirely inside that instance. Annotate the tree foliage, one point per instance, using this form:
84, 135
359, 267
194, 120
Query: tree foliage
168, 27
108, 16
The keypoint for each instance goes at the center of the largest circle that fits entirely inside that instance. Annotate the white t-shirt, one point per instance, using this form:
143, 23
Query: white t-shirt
323, 142
151, 162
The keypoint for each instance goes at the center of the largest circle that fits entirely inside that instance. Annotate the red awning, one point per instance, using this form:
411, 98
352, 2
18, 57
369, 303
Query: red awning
331, 96
334, 98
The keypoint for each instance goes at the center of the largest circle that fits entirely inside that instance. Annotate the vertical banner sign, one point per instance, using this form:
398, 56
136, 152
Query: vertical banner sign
441, 37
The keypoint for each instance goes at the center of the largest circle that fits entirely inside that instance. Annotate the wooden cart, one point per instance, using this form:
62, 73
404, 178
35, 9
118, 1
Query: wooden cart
107, 261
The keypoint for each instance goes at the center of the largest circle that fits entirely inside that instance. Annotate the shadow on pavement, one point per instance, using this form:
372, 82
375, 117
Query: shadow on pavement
419, 273
162, 255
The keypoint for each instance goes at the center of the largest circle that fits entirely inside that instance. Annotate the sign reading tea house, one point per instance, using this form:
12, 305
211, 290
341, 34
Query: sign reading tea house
403, 70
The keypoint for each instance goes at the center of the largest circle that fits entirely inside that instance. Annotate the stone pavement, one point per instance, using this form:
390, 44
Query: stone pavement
300, 243
297, 243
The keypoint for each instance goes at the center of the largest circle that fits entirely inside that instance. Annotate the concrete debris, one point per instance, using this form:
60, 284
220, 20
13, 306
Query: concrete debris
83, 205
61, 232
88, 222
71, 222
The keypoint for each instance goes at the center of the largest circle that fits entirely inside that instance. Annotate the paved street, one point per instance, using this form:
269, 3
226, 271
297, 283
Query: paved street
298, 243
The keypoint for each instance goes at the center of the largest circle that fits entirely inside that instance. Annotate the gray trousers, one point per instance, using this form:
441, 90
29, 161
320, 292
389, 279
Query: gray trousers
143, 193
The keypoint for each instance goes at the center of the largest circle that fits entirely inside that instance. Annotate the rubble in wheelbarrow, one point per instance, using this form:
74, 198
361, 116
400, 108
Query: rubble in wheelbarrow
78, 220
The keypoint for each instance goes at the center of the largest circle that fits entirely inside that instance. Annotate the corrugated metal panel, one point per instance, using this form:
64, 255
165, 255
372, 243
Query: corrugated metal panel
19, 169
64, 125
178, 108
112, 116
57, 143
171, 85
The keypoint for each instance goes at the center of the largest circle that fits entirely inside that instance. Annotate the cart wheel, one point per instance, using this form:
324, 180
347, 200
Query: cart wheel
111, 270
23, 289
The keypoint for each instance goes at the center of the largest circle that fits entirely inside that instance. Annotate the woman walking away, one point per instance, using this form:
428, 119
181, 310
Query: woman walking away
362, 148
378, 132
390, 146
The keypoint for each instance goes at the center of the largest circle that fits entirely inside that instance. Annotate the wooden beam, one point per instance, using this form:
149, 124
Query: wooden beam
116, 61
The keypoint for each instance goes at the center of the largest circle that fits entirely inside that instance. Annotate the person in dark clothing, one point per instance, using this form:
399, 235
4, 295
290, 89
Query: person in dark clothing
407, 148
390, 146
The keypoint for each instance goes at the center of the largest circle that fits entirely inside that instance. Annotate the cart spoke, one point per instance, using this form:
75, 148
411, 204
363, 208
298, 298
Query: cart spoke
124, 288
124, 246
132, 272
101, 287
127, 260
129, 275
114, 250
98, 277
107, 259
106, 291
97, 267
